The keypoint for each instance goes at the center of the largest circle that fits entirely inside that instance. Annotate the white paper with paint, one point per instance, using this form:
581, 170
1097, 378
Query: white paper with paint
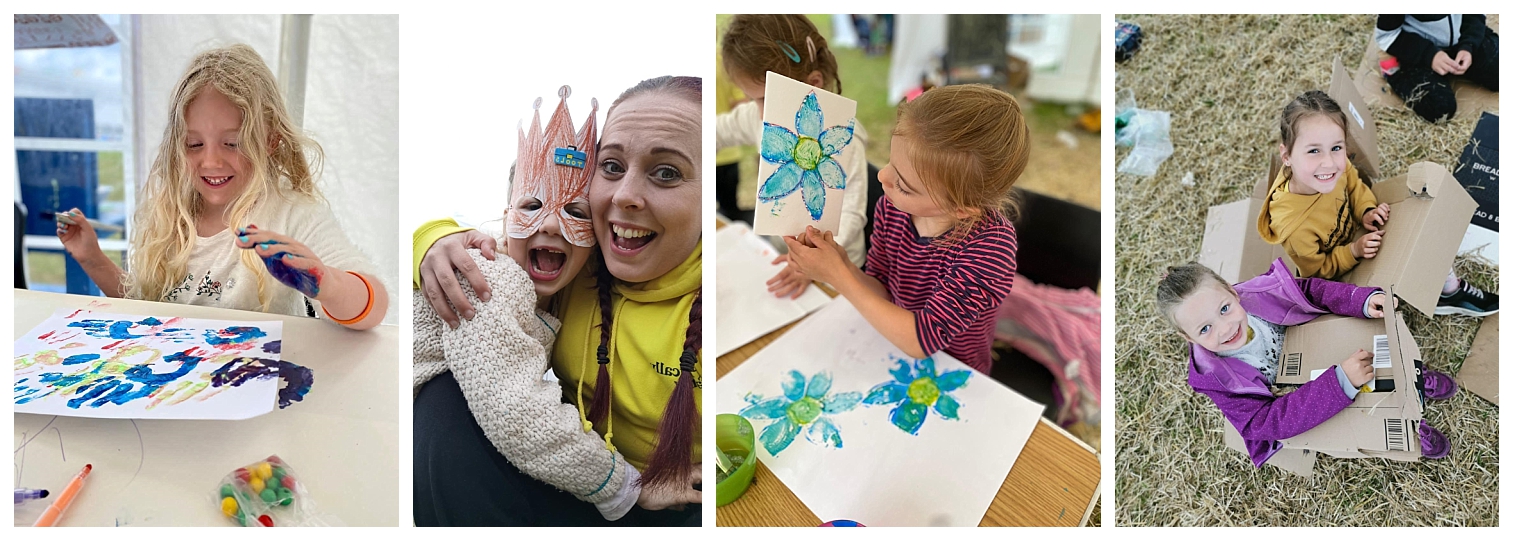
800, 179
946, 474
92, 364
746, 310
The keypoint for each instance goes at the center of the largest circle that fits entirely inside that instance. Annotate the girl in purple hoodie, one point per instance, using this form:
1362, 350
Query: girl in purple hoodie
1235, 336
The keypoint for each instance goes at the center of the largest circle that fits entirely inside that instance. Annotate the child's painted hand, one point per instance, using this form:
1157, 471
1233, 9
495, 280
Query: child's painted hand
79, 238
1358, 368
1376, 218
438, 274
789, 282
1368, 245
655, 498
289, 261
1375, 304
818, 255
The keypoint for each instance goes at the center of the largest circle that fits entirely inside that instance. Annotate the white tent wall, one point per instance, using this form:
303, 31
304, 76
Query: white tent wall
1077, 78
351, 109
918, 43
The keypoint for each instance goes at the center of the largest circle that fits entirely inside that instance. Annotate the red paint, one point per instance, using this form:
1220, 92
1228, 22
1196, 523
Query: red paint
44, 336
112, 344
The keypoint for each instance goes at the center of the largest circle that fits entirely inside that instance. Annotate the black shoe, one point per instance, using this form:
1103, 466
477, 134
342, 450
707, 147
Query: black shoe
1467, 301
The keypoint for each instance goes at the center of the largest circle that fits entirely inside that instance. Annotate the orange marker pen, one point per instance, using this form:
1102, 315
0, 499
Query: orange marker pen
55, 511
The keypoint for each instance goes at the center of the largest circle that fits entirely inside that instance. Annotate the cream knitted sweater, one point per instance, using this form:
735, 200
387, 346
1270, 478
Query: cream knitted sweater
498, 359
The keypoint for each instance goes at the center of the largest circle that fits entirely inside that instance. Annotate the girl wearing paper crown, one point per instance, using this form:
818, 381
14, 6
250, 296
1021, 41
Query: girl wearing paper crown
1235, 338
626, 348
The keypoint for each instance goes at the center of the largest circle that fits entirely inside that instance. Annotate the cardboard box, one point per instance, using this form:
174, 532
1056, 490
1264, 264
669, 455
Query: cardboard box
1380, 423
1479, 373
1470, 99
1430, 214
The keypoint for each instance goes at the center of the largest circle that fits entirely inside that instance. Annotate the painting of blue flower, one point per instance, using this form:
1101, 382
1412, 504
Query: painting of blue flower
806, 159
915, 390
804, 406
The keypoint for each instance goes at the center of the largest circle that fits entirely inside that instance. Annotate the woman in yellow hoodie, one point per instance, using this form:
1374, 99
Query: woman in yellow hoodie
1324, 216
628, 354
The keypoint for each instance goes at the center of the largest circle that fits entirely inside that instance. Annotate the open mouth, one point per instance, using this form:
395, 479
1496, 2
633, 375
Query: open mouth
547, 263
217, 181
1235, 336
1325, 178
630, 240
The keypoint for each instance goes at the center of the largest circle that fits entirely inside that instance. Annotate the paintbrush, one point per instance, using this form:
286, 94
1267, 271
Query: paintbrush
68, 219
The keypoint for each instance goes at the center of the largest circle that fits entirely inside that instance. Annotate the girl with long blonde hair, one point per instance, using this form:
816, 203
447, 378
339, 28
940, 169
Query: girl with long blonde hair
231, 159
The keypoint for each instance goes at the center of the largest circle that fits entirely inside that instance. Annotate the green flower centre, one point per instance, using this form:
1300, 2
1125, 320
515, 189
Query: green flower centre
807, 153
924, 391
805, 410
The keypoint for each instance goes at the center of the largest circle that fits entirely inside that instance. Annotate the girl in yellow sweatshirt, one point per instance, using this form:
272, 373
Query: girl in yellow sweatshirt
1324, 216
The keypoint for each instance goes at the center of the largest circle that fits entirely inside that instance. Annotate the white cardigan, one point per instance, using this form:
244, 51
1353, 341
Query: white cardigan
498, 359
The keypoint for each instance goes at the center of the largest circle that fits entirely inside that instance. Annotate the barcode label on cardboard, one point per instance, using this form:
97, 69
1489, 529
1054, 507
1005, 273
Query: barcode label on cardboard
1397, 435
1293, 365
1381, 353
1357, 115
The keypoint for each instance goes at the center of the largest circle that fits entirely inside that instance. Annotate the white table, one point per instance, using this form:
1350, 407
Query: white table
342, 439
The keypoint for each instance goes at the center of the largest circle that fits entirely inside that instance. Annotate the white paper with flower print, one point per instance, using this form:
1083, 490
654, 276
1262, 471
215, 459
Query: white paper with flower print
806, 136
859, 431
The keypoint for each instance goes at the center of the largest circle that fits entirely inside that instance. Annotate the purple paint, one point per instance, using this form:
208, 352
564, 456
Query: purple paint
276, 346
297, 379
306, 281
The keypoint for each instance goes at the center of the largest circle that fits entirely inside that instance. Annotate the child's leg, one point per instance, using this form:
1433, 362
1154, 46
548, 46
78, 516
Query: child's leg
1426, 92
1484, 57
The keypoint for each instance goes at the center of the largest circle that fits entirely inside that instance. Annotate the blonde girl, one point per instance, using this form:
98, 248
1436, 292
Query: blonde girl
942, 249
231, 159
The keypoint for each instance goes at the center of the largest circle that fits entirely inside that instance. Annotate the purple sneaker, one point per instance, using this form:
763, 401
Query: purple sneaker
1438, 385
1432, 441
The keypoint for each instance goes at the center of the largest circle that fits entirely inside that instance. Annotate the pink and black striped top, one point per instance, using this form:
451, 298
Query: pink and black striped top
955, 290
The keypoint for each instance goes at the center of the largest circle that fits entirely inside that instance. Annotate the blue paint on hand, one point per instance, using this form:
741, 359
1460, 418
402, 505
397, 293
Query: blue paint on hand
303, 280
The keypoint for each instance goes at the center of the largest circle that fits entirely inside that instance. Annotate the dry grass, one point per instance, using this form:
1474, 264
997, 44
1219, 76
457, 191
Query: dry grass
1225, 79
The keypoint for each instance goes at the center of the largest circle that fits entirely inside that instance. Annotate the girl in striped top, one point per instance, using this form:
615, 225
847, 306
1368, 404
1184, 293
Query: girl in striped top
942, 249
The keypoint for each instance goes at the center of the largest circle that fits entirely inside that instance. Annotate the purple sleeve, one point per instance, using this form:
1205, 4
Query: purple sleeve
1271, 418
1337, 297
976, 284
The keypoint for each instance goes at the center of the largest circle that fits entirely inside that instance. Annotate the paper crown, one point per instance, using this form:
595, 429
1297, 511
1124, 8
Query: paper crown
555, 166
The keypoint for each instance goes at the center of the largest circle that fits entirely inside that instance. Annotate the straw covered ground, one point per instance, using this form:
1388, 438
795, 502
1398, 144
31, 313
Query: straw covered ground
1225, 79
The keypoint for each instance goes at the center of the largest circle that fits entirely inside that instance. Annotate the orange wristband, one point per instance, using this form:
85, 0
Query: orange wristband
365, 309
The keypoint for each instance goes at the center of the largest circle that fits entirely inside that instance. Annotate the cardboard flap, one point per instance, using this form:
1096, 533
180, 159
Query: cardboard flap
1360, 138
1430, 215
1479, 373
1231, 245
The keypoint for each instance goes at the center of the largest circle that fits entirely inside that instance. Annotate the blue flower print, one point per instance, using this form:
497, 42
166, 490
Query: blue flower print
914, 391
802, 404
806, 160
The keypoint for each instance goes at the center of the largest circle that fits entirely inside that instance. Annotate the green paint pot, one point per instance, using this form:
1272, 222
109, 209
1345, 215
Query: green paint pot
735, 437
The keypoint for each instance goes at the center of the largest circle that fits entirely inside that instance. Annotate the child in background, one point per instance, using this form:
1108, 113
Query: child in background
1235, 336
1318, 205
1430, 49
942, 254
497, 358
791, 46
231, 158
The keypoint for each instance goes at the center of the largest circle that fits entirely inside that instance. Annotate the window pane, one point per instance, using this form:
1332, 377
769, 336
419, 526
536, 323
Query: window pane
92, 74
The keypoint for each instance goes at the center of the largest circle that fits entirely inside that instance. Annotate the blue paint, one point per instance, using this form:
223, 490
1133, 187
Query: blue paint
144, 374
81, 358
233, 335
117, 330
276, 346
305, 281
